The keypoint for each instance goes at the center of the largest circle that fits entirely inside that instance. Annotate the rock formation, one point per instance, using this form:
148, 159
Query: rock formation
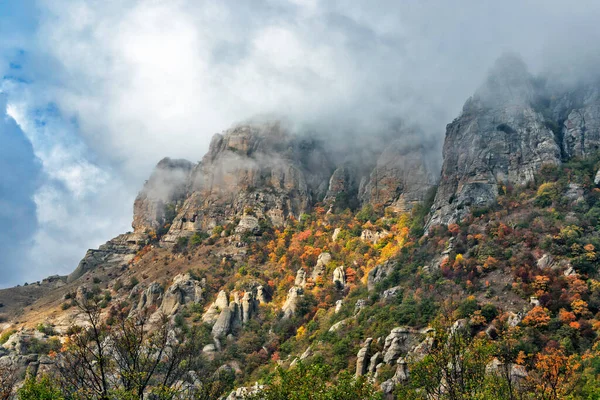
116, 252
183, 290
256, 167
499, 138
322, 261
339, 277
581, 126
363, 357
291, 302
402, 176
156, 203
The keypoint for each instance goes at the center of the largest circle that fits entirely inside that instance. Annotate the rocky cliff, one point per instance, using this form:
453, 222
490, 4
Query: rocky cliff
510, 128
262, 172
257, 171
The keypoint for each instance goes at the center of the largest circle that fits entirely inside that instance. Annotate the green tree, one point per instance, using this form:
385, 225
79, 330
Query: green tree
40, 388
314, 382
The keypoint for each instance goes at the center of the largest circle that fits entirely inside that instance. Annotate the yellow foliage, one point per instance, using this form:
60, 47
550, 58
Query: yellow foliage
300, 332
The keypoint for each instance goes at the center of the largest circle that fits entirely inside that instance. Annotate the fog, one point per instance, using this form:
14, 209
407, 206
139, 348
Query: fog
130, 82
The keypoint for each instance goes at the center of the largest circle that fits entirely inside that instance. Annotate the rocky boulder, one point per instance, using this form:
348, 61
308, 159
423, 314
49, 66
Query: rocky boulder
363, 357
339, 277
183, 290
379, 273
291, 302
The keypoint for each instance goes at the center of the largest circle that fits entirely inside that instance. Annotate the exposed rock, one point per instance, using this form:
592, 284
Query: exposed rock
260, 294
223, 325
249, 305
260, 166
517, 373
369, 235
209, 348
374, 362
491, 332
533, 300
360, 304
514, 319
322, 261
307, 353
114, 253
289, 307
362, 358
498, 139
155, 204
391, 293
340, 324
243, 392
460, 325
248, 223
338, 306
183, 290
214, 310
337, 231
574, 193
398, 343
150, 297
236, 313
339, 276
419, 352
581, 129
300, 278
545, 261
401, 177
222, 300
596, 179
379, 273
81, 294
343, 187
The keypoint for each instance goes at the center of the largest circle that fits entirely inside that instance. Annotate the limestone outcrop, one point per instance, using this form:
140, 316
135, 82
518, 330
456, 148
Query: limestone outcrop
500, 138
254, 171
402, 175
116, 252
183, 290
156, 203
291, 302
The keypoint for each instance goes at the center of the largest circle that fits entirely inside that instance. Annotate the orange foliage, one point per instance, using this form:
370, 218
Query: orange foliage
537, 317
566, 316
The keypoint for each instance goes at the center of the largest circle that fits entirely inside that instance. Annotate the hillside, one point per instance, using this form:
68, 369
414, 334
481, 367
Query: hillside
276, 250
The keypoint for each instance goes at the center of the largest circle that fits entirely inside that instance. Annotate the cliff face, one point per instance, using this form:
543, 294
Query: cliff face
500, 138
401, 177
262, 171
257, 170
581, 128
160, 194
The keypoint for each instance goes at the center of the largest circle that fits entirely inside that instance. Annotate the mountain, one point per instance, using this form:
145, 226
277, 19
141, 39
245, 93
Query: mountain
279, 249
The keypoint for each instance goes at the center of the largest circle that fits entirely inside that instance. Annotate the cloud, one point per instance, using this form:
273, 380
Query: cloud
120, 84
77, 204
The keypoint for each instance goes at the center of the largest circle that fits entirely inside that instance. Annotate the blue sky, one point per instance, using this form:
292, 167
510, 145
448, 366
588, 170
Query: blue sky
94, 93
